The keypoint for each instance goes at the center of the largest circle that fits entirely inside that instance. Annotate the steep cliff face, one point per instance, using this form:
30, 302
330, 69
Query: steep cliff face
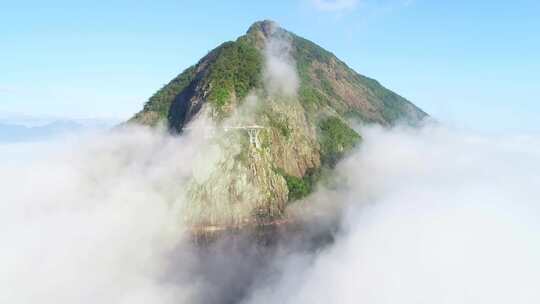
278, 107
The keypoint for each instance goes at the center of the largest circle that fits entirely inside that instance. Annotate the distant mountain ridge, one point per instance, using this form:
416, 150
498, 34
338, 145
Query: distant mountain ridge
19, 132
303, 95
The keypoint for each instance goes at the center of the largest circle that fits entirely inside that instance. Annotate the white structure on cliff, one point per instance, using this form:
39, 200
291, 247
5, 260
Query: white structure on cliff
252, 131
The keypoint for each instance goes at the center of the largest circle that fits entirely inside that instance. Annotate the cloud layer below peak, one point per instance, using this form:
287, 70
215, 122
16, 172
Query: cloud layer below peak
431, 216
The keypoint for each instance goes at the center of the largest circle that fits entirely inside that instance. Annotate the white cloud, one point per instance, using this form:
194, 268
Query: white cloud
432, 216
92, 220
334, 5
280, 75
435, 216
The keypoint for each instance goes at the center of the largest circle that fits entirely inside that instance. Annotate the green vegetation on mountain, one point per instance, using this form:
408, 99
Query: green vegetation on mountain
236, 70
303, 136
336, 138
160, 103
298, 187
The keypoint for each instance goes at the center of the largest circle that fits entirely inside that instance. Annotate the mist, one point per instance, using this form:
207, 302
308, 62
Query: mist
280, 75
430, 215
93, 221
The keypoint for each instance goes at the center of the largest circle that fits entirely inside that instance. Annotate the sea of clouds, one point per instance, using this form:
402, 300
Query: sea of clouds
434, 215
428, 215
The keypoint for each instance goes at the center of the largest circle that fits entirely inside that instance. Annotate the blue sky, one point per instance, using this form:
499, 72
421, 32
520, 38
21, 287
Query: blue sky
472, 64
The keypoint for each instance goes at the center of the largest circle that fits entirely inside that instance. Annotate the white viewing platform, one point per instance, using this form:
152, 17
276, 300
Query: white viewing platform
252, 130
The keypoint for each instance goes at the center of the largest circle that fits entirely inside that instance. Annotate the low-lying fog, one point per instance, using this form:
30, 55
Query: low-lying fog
430, 216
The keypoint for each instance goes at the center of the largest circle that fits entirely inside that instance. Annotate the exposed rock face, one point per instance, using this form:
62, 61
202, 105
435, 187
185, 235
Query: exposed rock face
298, 95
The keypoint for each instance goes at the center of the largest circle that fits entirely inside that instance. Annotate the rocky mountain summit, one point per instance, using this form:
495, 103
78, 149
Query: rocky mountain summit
276, 110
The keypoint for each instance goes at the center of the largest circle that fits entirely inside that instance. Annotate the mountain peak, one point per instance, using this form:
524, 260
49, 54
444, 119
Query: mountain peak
264, 26
261, 31
299, 96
